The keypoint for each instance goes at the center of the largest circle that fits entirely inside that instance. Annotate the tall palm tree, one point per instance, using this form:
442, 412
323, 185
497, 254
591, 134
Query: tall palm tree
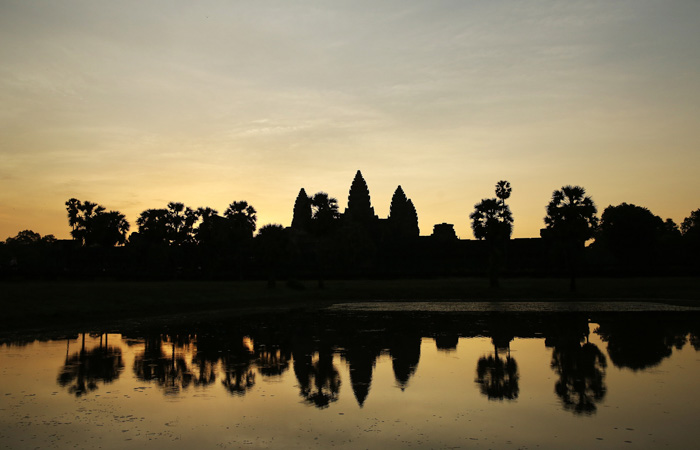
324, 219
242, 217
503, 191
571, 220
492, 222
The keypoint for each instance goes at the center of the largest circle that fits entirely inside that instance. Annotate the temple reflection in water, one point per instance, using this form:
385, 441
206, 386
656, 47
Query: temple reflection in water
240, 352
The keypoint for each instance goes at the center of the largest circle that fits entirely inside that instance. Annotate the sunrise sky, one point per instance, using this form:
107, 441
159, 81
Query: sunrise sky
133, 104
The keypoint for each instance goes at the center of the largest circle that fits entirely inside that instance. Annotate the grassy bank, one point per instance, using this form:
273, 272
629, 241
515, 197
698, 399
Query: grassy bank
48, 304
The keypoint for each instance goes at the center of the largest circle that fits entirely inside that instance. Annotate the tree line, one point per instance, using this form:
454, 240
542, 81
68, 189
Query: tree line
179, 240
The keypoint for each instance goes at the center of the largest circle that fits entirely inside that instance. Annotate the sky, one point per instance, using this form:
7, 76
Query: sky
135, 104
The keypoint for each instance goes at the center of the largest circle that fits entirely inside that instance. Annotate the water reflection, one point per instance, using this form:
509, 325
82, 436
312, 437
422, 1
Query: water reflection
319, 380
641, 344
405, 354
236, 355
83, 370
170, 372
361, 358
498, 377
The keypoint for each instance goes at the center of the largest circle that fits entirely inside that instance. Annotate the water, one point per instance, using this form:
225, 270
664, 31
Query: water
361, 380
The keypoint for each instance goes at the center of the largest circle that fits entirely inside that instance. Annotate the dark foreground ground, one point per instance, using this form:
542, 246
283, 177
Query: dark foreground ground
41, 306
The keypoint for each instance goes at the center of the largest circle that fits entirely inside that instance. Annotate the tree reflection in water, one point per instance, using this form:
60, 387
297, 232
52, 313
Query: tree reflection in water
581, 368
642, 343
269, 346
319, 380
498, 377
84, 369
171, 373
272, 360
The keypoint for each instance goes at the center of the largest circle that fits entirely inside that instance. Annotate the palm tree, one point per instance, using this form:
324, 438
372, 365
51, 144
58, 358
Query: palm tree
324, 219
503, 191
91, 224
492, 222
242, 217
571, 220
324, 212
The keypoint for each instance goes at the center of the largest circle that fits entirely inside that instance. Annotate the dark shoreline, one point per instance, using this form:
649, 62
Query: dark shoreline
38, 307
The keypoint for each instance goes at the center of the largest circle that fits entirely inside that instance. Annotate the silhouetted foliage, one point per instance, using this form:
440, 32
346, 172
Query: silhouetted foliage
503, 191
29, 237
272, 241
92, 225
570, 221
174, 225
242, 218
492, 222
690, 228
632, 233
691, 224
325, 213
177, 241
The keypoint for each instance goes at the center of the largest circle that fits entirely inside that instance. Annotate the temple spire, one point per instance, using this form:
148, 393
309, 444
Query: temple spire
359, 205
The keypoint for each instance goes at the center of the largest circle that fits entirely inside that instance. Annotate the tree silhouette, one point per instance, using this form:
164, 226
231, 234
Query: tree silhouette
493, 223
242, 218
571, 220
690, 228
324, 213
325, 219
271, 245
632, 233
109, 228
503, 191
691, 224
28, 237
174, 225
91, 224
154, 226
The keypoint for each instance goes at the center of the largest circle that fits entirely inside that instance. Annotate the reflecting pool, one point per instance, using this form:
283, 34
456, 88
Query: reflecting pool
361, 380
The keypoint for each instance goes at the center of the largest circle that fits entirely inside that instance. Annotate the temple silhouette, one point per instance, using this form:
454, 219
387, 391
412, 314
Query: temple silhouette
322, 242
357, 242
